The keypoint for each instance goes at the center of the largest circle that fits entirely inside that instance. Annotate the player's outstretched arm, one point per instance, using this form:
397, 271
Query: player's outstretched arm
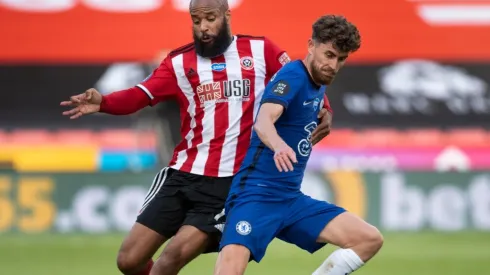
284, 156
159, 86
118, 103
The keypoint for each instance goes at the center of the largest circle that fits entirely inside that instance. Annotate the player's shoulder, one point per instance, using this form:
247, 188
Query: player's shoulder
287, 78
292, 70
180, 50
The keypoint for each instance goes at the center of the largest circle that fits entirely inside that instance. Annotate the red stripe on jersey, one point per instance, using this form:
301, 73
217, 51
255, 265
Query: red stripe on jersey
190, 62
185, 125
221, 122
246, 123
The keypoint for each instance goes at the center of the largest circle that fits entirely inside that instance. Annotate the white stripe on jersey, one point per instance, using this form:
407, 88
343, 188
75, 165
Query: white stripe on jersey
185, 86
235, 112
260, 72
205, 73
145, 90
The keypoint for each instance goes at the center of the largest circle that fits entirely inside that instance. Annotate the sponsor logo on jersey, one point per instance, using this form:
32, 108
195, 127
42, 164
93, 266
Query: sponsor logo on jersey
224, 91
218, 67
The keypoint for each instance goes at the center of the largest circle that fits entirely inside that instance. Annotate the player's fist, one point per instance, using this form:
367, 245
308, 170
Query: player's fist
83, 104
284, 157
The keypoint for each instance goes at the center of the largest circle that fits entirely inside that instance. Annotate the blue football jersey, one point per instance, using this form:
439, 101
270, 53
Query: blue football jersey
293, 88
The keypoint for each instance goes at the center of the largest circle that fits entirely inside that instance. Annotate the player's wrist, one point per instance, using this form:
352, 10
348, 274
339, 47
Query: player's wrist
277, 144
103, 105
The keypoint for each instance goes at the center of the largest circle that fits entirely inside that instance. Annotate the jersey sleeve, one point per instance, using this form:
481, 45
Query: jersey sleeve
283, 88
275, 58
161, 84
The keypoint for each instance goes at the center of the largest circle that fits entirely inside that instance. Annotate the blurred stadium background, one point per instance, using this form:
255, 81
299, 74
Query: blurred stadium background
409, 150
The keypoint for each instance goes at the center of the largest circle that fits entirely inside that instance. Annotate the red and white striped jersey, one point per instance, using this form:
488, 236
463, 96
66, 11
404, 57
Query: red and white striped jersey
219, 98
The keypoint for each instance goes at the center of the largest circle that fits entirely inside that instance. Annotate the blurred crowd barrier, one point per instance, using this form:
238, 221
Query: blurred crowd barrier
409, 147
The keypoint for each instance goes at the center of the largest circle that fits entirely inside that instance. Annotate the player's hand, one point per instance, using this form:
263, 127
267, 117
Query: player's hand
83, 104
323, 128
284, 157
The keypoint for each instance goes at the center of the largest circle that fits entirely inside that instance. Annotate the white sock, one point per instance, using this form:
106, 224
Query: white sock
340, 262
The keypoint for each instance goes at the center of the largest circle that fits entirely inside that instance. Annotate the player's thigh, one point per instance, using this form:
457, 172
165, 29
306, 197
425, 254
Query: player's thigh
348, 230
253, 225
306, 222
207, 201
166, 211
159, 179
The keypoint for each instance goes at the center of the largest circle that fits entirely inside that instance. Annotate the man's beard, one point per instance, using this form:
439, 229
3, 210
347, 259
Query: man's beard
318, 76
218, 46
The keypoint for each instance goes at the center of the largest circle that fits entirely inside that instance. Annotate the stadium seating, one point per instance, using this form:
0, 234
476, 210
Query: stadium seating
129, 139
116, 149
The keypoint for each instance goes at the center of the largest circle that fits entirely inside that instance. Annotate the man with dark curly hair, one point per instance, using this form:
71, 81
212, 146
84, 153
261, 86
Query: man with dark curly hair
265, 200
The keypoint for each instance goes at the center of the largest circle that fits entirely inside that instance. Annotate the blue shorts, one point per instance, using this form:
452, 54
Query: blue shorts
254, 223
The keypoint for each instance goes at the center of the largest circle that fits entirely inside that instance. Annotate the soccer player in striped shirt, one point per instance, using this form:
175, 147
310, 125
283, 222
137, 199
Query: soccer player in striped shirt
218, 80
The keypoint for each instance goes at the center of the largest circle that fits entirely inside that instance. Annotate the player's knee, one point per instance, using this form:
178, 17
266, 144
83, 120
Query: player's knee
171, 259
372, 238
127, 264
232, 260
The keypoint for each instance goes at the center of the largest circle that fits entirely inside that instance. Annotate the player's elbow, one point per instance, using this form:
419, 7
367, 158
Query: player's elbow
258, 129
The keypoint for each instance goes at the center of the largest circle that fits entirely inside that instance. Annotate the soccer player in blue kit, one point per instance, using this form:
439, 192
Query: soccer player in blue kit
265, 200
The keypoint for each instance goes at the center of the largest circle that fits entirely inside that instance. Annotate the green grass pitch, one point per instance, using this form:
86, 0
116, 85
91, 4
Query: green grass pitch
426, 253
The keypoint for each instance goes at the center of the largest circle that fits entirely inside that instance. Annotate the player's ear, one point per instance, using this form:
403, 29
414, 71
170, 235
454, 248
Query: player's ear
311, 45
228, 15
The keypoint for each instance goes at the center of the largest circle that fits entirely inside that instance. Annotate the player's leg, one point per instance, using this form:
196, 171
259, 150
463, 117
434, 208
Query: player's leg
137, 249
232, 260
160, 218
186, 245
250, 227
199, 234
312, 219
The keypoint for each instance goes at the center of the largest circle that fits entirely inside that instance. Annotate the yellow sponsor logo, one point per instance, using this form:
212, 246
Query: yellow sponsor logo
349, 191
26, 204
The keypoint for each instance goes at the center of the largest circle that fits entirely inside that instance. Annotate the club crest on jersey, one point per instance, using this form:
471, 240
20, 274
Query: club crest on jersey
218, 67
316, 103
247, 63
